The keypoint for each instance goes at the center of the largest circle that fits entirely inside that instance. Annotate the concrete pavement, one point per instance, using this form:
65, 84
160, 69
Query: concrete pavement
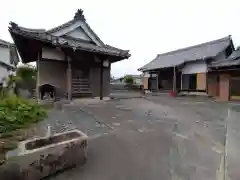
152, 138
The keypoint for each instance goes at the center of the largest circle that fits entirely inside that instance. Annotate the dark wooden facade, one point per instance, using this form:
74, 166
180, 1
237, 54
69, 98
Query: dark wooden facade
74, 66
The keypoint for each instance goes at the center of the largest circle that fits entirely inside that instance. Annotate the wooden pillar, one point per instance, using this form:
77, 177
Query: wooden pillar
157, 81
150, 79
174, 79
69, 78
38, 97
101, 80
181, 81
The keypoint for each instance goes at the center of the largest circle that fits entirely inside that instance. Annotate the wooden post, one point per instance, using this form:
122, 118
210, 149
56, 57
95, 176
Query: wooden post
38, 76
150, 80
157, 81
181, 81
101, 80
69, 79
174, 79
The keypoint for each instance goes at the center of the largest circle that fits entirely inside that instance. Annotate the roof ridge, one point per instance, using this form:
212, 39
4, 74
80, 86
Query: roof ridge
197, 45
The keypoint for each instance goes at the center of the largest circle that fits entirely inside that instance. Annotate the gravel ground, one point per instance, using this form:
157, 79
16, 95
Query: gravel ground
147, 138
69, 118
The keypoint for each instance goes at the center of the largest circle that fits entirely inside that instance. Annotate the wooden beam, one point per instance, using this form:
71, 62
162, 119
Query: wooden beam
69, 78
181, 80
101, 80
39, 56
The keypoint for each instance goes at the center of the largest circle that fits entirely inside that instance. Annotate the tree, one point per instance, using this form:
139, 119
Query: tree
28, 76
128, 80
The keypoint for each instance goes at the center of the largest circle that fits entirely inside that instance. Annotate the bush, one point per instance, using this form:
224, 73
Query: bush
27, 74
128, 80
17, 113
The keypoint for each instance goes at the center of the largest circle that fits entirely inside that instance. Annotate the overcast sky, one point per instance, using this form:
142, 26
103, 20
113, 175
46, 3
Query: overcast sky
145, 27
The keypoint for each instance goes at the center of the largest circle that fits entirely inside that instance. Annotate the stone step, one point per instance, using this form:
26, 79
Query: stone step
81, 91
81, 83
82, 94
80, 86
79, 78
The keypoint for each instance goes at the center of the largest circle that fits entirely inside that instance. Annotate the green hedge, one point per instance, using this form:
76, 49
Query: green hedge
17, 113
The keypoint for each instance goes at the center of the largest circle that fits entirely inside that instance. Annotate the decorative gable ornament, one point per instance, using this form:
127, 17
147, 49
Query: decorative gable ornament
79, 15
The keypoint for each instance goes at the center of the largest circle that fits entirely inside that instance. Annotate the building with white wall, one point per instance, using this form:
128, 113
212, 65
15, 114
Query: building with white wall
186, 69
8, 58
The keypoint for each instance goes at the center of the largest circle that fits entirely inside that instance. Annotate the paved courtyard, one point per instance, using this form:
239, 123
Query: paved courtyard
156, 137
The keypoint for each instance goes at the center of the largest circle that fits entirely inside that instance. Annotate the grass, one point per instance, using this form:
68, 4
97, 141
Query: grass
9, 141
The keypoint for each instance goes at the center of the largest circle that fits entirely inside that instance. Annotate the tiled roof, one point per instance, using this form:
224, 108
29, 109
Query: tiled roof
4, 43
197, 52
232, 60
78, 16
45, 36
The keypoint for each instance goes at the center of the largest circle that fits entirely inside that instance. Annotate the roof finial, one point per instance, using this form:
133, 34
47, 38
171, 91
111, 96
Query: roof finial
79, 15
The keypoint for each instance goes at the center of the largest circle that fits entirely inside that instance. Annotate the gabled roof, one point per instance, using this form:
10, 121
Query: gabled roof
193, 53
65, 41
78, 17
232, 60
70, 42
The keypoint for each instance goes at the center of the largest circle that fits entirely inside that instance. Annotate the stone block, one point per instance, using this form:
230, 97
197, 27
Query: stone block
41, 157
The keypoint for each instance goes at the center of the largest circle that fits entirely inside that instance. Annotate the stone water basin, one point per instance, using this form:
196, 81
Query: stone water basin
41, 157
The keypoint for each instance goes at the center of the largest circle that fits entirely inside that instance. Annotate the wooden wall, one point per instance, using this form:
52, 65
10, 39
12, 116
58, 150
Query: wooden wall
201, 81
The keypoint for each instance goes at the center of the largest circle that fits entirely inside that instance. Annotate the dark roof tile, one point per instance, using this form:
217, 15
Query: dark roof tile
232, 60
65, 41
197, 52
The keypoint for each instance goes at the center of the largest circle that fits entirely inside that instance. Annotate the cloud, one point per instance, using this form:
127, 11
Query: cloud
146, 28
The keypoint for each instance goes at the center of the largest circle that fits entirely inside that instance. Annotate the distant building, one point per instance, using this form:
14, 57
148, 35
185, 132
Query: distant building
8, 58
211, 68
137, 79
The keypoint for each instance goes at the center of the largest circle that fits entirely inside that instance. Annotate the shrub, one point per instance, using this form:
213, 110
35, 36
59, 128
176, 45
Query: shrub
27, 74
17, 113
128, 80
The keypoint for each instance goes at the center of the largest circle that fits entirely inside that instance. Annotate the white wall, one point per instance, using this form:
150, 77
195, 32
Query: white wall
67, 29
3, 73
53, 73
51, 53
146, 74
195, 67
138, 81
5, 55
79, 33
77, 26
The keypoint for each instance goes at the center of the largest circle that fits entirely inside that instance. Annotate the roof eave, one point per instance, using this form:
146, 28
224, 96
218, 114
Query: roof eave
122, 55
